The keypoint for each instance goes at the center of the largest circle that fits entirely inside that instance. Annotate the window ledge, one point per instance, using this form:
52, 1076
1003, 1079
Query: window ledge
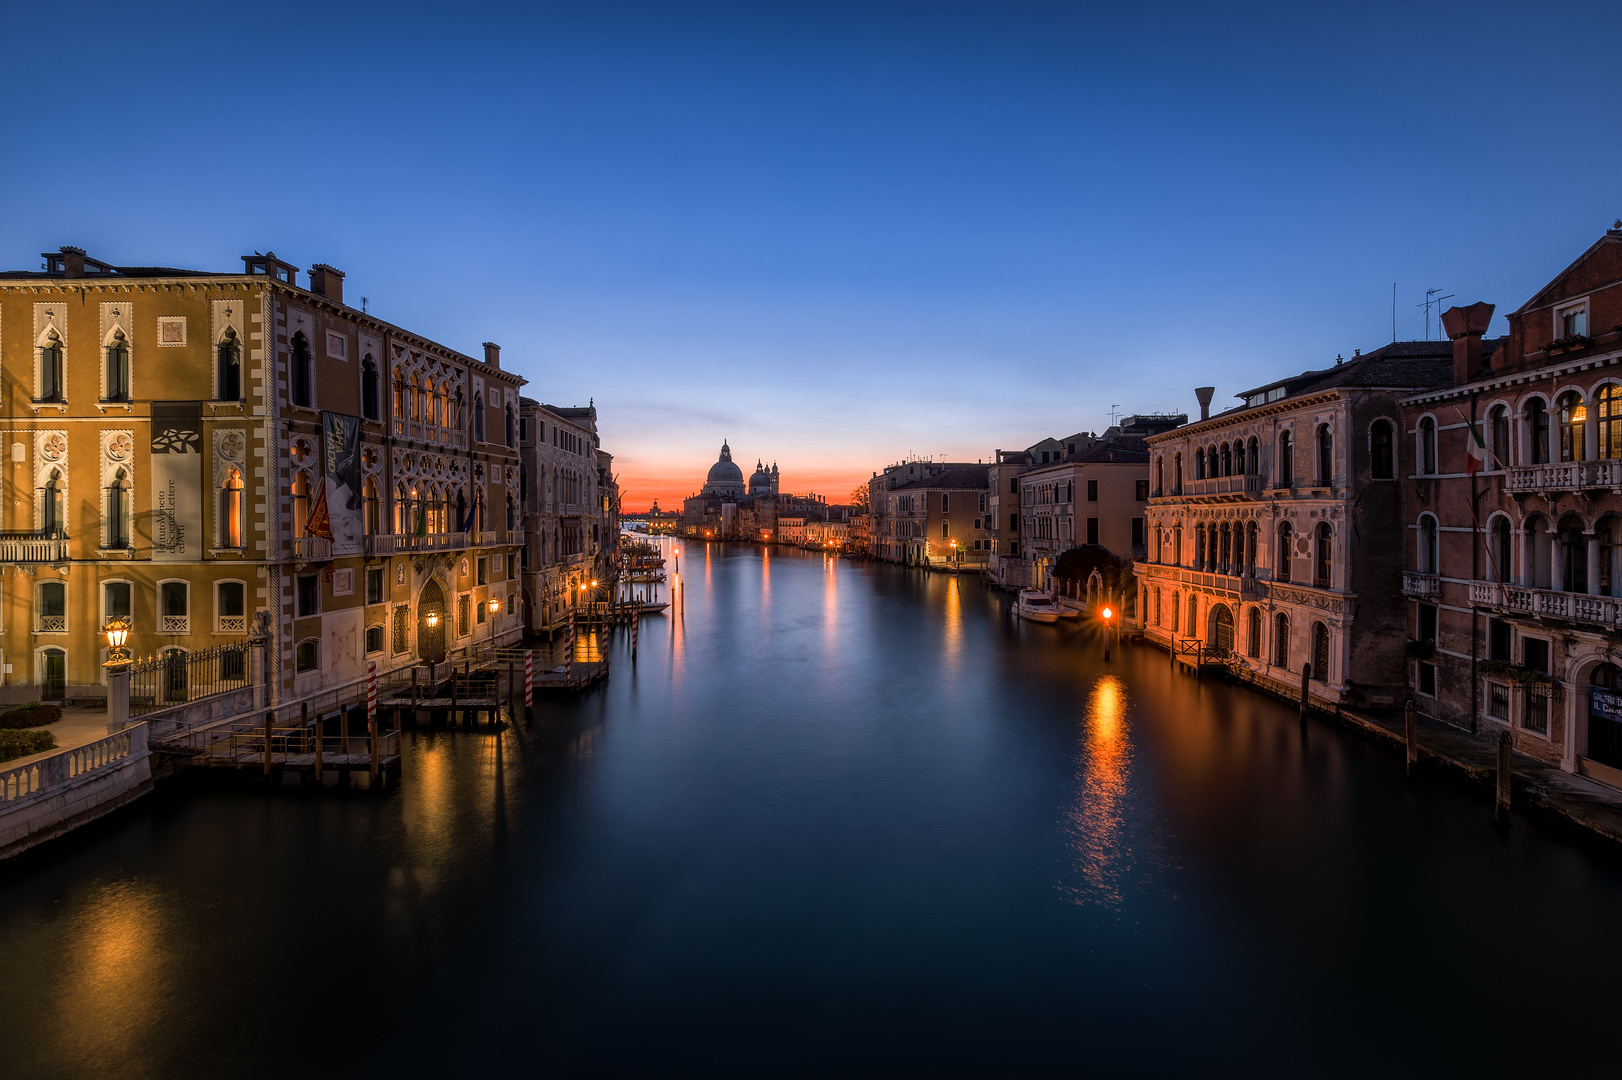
225, 551
59, 405
115, 553
127, 406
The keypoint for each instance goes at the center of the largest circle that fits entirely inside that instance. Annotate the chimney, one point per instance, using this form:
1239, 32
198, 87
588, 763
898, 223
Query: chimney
327, 282
1464, 328
72, 261
1203, 393
492, 356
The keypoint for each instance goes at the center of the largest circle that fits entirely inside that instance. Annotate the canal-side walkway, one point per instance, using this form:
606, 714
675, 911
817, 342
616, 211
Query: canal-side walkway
1550, 793
79, 726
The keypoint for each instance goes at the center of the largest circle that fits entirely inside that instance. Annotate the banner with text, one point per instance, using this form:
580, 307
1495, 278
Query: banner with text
341, 448
177, 481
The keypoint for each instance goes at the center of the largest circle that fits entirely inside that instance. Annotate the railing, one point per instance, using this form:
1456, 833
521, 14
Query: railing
37, 778
231, 624
514, 536
174, 624
53, 624
483, 537
1564, 476
383, 543
1603, 611
312, 548
44, 545
1222, 485
178, 677
1421, 584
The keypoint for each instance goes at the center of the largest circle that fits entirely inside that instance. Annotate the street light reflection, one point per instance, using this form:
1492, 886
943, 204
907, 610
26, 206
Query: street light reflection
1102, 857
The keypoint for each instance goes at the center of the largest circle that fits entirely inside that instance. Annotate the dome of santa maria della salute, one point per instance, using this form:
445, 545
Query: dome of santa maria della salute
725, 478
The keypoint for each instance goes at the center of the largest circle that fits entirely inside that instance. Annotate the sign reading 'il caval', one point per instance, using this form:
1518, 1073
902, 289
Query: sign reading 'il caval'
177, 480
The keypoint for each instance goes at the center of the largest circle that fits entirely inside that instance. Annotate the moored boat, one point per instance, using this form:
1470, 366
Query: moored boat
1036, 606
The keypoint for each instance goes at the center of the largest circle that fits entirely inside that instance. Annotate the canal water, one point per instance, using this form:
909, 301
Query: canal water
838, 818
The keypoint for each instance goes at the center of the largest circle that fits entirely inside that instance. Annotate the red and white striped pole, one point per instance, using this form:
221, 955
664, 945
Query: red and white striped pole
636, 621
529, 678
371, 696
568, 655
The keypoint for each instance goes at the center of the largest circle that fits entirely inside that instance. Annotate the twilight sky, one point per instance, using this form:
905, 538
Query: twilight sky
836, 234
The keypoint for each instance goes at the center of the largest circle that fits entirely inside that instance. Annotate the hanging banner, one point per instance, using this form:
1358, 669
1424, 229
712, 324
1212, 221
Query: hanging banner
340, 444
177, 481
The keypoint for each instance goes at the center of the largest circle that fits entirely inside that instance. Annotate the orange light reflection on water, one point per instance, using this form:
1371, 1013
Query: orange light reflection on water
1102, 858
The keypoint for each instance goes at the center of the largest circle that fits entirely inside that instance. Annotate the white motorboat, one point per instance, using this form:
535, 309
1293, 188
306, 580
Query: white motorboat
1036, 606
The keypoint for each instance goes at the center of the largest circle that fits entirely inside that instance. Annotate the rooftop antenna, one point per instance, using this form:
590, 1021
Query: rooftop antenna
1112, 410
363, 305
1427, 306
1393, 313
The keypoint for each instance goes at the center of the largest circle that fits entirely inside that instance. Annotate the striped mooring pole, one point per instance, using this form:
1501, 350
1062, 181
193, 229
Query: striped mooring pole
529, 678
568, 655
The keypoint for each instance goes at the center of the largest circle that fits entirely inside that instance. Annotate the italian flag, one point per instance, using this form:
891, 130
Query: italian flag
1476, 447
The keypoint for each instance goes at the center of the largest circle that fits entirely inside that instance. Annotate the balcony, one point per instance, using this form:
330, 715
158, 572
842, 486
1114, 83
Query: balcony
483, 537
31, 547
1564, 476
1421, 585
174, 624
312, 549
384, 543
1603, 611
1223, 485
514, 537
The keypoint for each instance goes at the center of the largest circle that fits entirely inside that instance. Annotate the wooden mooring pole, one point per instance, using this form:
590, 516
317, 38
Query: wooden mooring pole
415, 708
1501, 803
1410, 732
270, 719
1306, 673
304, 715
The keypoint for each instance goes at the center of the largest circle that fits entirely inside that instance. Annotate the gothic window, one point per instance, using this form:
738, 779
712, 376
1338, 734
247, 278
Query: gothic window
118, 368
118, 512
368, 388
51, 510
478, 417
301, 502
1537, 424
372, 517
1573, 415
1282, 563
1610, 402
1326, 457
228, 367
1322, 568
50, 367
1320, 652
1286, 460
230, 534
1281, 640
1253, 633
510, 439
302, 379
430, 403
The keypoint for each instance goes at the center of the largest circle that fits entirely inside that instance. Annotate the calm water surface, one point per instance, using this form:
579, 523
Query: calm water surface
838, 818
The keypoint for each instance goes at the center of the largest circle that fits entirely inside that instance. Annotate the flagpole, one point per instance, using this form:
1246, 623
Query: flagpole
1475, 517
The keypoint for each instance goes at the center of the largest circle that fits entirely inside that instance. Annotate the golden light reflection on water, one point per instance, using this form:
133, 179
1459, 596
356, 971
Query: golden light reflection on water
954, 620
830, 600
1102, 856
112, 969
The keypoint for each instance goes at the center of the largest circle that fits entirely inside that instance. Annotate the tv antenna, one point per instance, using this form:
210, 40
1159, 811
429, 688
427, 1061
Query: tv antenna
1112, 412
1427, 306
363, 311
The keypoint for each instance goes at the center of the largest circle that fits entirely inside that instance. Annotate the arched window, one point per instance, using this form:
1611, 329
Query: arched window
230, 535
1253, 633
1225, 548
402, 397
1199, 465
478, 417
1381, 463
1323, 564
1429, 554
1176, 610
1281, 640
1160, 475
456, 420
118, 368
1199, 547
512, 514
1253, 457
1427, 446
1608, 415
1502, 551
301, 503
1498, 419
1177, 474
1252, 536
1320, 652
1573, 416
53, 607
368, 388
430, 403
1238, 563
1573, 556
447, 411
372, 516
416, 398
303, 379
461, 510
228, 367
1537, 430
511, 434
118, 512
51, 509
1227, 460
1286, 537
50, 367
402, 511
1286, 460
1193, 614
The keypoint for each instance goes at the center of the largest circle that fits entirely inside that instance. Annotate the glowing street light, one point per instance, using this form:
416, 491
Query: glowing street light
432, 619
118, 635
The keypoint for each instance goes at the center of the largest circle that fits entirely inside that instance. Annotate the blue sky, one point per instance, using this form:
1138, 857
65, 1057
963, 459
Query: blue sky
837, 234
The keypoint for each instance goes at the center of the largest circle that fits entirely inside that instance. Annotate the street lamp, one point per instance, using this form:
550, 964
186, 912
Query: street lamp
1107, 614
432, 619
495, 606
118, 635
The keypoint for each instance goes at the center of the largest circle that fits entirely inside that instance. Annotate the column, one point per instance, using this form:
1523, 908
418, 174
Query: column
1557, 562
118, 697
1593, 560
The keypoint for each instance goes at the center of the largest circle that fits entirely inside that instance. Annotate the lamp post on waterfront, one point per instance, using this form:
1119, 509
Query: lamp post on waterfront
495, 606
1107, 614
118, 673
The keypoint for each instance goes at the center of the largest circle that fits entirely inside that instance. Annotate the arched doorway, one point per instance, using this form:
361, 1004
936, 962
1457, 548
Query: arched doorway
431, 639
1220, 641
1605, 716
